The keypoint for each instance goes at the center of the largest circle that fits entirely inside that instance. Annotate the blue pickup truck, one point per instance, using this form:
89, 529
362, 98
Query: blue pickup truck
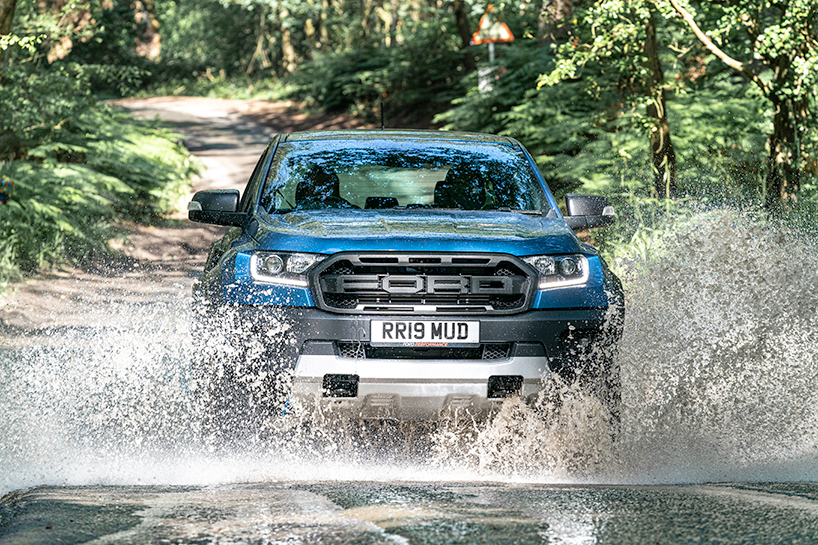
401, 274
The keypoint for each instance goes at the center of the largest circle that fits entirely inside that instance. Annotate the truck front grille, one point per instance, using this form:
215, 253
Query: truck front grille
489, 284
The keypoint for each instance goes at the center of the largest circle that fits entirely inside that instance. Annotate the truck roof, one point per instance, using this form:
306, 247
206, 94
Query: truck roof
398, 134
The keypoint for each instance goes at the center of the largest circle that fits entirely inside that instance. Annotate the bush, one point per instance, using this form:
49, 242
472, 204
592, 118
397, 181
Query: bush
418, 78
77, 165
63, 211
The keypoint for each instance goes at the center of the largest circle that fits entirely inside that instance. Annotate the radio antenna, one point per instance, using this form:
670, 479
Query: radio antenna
383, 96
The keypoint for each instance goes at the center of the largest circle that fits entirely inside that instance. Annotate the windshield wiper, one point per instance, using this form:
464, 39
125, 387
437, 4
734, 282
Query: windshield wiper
516, 210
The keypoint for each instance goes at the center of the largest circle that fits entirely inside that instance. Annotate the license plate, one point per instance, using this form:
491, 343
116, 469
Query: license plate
425, 333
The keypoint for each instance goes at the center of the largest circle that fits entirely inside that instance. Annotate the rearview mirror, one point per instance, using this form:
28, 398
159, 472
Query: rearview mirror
216, 206
588, 211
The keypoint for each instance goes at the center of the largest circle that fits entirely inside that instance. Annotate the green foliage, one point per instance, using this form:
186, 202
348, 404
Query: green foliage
580, 145
768, 32
579, 137
62, 211
720, 127
610, 34
198, 35
518, 66
77, 165
424, 73
774, 45
57, 212
149, 160
39, 105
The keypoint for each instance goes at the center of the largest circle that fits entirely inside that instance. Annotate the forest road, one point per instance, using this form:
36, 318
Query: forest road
159, 263
410, 512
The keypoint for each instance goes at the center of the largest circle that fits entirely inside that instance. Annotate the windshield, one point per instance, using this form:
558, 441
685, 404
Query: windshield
381, 174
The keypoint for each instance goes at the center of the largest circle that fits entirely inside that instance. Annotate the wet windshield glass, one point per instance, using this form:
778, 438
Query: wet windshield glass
381, 174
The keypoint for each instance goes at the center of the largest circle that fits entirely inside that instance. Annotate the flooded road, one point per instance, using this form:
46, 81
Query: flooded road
102, 437
445, 513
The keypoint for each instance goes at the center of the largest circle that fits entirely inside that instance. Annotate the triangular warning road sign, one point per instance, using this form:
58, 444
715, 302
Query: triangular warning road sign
491, 29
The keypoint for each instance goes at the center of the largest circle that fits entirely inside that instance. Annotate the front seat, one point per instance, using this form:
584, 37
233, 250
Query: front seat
317, 185
461, 188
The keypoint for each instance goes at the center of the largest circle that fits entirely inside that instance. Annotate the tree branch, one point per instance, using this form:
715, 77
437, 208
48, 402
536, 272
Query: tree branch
713, 48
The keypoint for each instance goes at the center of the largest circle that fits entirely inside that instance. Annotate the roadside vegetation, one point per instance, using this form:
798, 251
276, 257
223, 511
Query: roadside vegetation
662, 105
71, 166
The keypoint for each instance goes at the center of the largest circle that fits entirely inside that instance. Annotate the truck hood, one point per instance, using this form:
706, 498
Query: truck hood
324, 231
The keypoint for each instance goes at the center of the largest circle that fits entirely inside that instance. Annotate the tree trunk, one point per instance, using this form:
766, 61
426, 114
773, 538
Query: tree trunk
323, 26
148, 39
288, 56
311, 31
393, 23
6, 15
784, 170
367, 8
464, 30
549, 12
783, 180
663, 156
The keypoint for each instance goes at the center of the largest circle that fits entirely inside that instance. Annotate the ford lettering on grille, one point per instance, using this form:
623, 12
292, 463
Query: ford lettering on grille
494, 285
423, 284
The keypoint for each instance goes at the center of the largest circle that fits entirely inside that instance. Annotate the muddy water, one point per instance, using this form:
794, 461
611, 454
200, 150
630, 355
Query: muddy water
399, 513
720, 362
720, 383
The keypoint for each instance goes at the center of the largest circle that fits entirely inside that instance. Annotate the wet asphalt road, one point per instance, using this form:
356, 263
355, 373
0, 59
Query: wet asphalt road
429, 513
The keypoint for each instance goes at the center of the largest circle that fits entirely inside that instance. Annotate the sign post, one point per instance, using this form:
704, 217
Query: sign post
490, 30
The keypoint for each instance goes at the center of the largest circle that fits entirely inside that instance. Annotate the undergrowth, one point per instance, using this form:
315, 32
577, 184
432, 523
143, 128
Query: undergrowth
68, 193
74, 164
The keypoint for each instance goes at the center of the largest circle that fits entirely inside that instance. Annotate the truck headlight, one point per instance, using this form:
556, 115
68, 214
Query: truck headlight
282, 268
558, 271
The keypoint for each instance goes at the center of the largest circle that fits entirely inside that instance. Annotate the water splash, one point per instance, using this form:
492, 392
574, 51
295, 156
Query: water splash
720, 359
719, 368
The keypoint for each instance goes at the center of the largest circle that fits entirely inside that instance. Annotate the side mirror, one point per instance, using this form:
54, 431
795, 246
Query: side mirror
588, 211
216, 206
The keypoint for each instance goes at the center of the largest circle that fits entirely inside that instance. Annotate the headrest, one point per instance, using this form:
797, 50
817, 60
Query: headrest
462, 188
381, 202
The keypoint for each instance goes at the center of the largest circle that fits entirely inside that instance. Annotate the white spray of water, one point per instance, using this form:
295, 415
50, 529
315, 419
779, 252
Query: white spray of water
720, 355
719, 374
719, 364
